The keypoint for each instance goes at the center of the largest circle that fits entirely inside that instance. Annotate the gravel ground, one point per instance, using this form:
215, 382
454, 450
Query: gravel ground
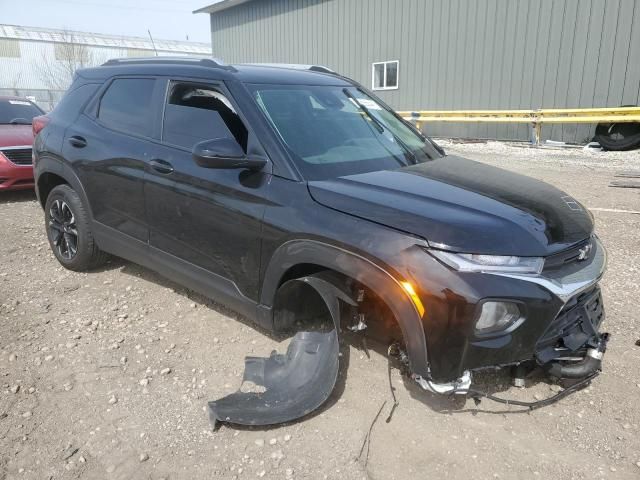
107, 374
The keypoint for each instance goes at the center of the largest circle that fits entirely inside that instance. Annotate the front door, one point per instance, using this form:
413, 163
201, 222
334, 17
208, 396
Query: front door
209, 218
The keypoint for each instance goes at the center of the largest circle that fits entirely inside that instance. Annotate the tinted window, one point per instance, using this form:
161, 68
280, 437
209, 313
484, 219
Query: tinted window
195, 113
127, 106
18, 111
74, 100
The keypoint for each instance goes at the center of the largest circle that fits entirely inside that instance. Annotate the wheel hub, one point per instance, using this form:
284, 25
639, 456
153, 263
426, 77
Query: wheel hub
62, 229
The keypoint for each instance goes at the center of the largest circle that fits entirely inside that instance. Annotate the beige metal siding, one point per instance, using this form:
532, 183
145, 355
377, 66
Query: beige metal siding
9, 48
455, 54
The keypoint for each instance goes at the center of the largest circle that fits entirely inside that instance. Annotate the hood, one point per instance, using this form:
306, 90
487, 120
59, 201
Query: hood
15, 135
464, 206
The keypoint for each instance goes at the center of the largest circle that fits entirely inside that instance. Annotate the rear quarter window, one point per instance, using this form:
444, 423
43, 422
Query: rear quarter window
127, 106
73, 101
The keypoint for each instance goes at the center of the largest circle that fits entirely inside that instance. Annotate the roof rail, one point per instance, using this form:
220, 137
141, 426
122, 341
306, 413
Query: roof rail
164, 60
296, 66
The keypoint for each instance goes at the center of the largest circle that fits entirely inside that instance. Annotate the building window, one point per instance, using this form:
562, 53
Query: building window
71, 52
9, 48
384, 75
139, 52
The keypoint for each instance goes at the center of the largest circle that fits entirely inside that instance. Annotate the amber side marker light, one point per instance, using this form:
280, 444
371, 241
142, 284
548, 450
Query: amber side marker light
413, 296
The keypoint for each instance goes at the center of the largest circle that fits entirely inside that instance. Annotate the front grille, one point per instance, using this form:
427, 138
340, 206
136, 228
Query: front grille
19, 156
566, 257
576, 324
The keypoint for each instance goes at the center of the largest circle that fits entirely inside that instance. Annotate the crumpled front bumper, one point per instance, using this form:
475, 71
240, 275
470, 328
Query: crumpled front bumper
563, 311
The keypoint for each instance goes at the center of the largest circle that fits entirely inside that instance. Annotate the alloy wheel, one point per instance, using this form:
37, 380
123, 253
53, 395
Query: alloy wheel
62, 229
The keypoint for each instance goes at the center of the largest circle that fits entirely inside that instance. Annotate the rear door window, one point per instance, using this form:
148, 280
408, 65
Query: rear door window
127, 106
195, 113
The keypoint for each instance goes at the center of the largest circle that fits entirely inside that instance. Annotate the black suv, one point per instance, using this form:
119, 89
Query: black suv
293, 195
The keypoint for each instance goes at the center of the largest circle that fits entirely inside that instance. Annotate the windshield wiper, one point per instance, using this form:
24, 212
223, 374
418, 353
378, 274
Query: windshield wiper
379, 126
375, 121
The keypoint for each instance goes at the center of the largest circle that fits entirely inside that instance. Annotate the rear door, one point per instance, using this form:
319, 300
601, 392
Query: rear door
210, 218
110, 146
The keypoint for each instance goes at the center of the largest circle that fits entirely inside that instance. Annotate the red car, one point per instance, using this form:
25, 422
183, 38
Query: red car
16, 138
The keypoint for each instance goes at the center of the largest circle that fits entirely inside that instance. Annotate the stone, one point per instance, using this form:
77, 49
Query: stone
165, 371
15, 389
144, 457
144, 382
113, 400
259, 442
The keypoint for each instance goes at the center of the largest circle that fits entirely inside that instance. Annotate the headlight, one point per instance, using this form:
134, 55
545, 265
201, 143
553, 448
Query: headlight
471, 262
497, 316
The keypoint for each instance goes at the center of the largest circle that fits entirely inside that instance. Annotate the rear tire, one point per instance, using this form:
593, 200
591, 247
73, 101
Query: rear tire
69, 231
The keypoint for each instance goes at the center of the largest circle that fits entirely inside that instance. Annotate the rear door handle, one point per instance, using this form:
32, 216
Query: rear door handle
77, 141
161, 166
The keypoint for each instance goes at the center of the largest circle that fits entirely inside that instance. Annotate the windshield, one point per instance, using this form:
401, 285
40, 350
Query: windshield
19, 112
336, 131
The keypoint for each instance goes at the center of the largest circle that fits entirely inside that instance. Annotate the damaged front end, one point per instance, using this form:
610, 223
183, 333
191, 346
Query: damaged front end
554, 326
570, 347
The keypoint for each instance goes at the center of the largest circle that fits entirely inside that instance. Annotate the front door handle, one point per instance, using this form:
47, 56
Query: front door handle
161, 166
77, 141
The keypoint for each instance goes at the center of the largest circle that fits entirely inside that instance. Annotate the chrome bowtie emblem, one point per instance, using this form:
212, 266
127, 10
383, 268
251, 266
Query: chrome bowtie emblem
583, 253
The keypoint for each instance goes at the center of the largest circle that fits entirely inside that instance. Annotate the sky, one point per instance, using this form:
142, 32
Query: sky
167, 19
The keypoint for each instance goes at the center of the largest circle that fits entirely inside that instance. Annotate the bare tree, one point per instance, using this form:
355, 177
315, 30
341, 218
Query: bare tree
69, 55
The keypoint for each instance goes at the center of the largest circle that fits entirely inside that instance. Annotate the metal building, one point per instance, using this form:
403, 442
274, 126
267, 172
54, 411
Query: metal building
39, 62
452, 54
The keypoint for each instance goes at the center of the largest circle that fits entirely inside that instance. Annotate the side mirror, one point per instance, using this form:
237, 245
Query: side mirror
224, 153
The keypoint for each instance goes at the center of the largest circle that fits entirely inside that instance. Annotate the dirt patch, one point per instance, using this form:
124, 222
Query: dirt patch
107, 374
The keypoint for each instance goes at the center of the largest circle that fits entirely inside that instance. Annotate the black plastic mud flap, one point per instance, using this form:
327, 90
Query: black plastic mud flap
296, 383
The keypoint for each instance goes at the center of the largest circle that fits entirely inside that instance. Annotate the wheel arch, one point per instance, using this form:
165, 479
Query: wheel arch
297, 258
50, 173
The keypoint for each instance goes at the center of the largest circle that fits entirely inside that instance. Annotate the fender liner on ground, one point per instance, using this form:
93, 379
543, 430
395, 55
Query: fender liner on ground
298, 382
